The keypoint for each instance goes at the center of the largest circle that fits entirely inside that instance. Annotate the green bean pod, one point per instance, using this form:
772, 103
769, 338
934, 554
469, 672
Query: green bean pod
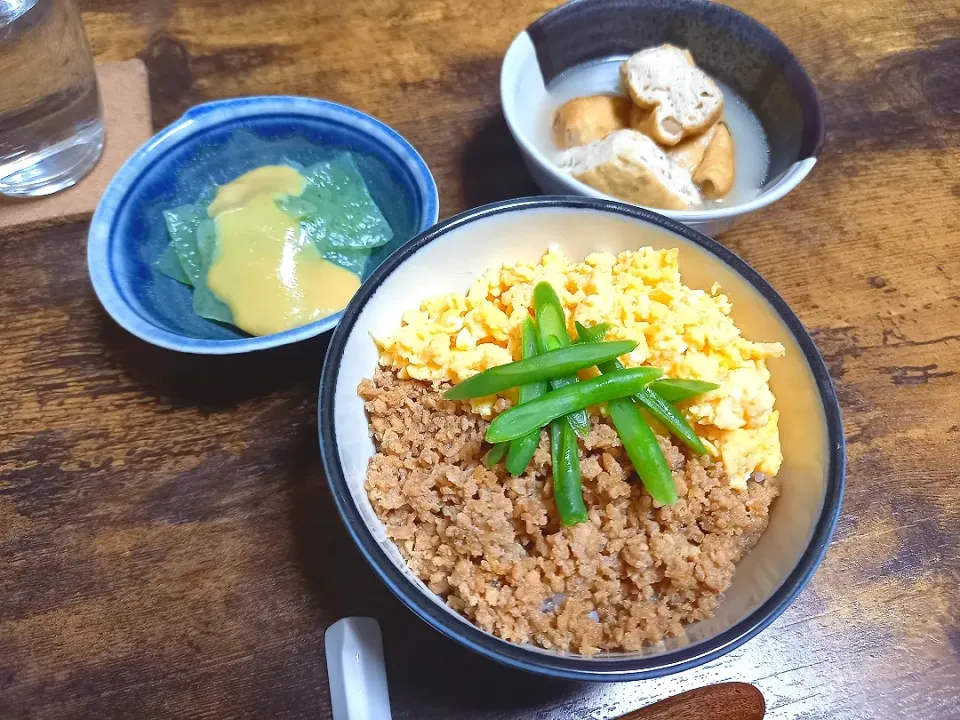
674, 391
670, 389
666, 413
644, 451
548, 366
639, 440
522, 449
672, 418
552, 327
495, 454
522, 419
567, 481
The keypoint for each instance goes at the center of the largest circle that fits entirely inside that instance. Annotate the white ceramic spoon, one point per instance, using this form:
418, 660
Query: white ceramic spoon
355, 668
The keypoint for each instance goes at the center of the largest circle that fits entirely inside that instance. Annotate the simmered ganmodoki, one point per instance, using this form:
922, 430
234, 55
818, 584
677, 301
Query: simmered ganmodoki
505, 548
655, 130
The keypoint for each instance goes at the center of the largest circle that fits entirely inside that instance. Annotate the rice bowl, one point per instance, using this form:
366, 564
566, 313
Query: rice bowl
447, 259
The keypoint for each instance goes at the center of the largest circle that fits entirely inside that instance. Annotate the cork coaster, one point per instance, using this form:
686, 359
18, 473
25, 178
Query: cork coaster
125, 95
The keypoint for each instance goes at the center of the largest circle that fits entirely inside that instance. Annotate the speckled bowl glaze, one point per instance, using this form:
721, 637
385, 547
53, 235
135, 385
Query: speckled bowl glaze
448, 258
211, 145
727, 44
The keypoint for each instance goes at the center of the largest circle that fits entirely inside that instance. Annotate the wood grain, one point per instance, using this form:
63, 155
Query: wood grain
168, 547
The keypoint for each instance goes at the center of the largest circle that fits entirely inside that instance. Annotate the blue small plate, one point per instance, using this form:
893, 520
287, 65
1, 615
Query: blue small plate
210, 145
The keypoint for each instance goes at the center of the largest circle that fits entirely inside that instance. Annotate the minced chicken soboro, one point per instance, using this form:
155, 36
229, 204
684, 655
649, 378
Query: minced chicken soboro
492, 545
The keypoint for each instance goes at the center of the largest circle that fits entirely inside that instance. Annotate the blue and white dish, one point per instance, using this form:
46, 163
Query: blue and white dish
203, 148
731, 47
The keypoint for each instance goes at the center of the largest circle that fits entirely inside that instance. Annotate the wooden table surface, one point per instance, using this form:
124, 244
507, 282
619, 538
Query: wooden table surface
168, 545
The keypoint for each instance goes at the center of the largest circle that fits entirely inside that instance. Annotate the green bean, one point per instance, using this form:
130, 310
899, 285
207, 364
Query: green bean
666, 413
672, 418
522, 419
674, 391
567, 482
547, 366
552, 326
670, 389
551, 322
521, 452
495, 454
643, 450
598, 331
522, 449
638, 439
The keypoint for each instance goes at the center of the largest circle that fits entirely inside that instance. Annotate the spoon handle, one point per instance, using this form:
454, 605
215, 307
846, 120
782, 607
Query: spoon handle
724, 701
355, 667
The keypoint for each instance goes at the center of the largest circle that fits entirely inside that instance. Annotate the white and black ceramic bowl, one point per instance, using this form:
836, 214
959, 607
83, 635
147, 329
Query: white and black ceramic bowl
730, 46
448, 258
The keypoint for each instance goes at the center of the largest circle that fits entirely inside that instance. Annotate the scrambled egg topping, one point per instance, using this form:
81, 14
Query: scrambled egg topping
689, 333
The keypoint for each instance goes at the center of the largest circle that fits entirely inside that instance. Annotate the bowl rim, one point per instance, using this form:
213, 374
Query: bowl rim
529, 658
768, 195
199, 119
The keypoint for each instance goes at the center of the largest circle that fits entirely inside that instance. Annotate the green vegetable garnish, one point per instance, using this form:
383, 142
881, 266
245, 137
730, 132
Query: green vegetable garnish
551, 394
548, 366
672, 418
666, 413
495, 454
567, 481
674, 391
639, 440
522, 419
522, 449
644, 451
552, 327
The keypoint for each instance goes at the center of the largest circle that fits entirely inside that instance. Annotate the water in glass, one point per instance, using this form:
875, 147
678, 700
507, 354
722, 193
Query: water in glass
51, 128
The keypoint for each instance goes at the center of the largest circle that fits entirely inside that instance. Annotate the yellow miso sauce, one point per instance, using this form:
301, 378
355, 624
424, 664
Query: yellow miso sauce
270, 275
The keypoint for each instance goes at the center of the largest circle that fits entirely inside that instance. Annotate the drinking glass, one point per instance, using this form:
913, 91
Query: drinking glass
51, 124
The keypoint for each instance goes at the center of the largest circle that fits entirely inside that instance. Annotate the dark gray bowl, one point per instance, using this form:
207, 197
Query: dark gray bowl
447, 258
727, 44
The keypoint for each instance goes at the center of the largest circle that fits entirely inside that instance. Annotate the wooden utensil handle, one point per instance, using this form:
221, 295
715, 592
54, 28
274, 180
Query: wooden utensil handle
725, 701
